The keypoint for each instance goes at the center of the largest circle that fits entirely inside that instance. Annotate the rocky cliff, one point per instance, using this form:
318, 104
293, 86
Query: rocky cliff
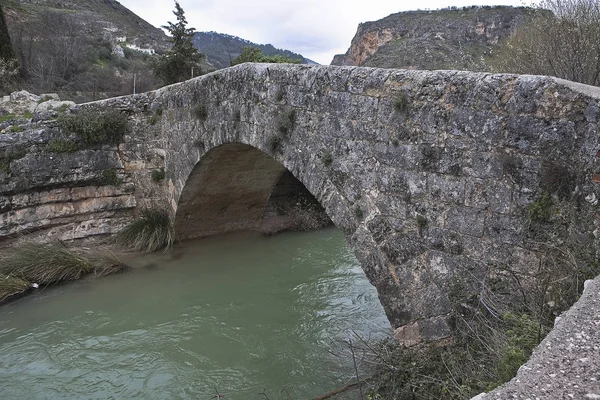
443, 39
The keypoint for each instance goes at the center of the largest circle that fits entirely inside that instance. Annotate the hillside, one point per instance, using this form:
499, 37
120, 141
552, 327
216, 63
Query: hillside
106, 18
220, 49
82, 49
455, 38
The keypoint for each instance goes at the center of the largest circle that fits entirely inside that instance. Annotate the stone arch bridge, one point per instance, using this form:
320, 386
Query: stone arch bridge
429, 174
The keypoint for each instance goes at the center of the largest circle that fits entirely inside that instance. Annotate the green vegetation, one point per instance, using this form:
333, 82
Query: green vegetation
6, 49
155, 117
9, 68
93, 127
358, 212
422, 222
16, 129
200, 111
483, 355
254, 54
401, 103
47, 263
8, 157
158, 175
152, 231
110, 177
182, 61
327, 158
12, 117
274, 142
286, 123
221, 49
12, 287
45, 99
540, 210
62, 146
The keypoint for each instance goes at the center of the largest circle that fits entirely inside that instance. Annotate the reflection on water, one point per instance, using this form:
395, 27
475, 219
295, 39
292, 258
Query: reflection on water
234, 314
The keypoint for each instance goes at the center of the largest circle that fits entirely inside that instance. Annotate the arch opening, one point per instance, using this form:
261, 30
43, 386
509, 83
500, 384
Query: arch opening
237, 187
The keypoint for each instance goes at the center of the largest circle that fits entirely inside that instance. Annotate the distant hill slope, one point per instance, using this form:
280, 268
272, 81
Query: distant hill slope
220, 48
456, 38
97, 17
82, 49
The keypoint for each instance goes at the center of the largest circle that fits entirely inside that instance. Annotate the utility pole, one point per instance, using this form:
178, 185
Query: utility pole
192, 72
134, 78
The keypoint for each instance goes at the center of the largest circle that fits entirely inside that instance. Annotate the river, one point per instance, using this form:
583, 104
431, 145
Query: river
233, 315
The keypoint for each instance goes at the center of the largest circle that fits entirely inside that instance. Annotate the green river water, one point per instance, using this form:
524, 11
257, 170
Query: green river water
237, 314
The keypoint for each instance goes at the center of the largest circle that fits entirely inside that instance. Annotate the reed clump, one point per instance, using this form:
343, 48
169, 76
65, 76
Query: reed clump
151, 231
33, 263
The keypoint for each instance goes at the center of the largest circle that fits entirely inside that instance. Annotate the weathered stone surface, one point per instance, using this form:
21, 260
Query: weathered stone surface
428, 174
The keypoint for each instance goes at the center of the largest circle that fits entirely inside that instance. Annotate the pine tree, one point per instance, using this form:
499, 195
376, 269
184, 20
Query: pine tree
183, 58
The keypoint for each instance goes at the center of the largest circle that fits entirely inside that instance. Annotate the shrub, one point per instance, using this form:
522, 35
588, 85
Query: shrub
46, 263
401, 103
540, 210
12, 286
45, 99
152, 231
287, 122
95, 127
62, 146
153, 120
158, 175
422, 222
110, 177
327, 158
8, 157
273, 142
200, 112
16, 129
358, 212
557, 178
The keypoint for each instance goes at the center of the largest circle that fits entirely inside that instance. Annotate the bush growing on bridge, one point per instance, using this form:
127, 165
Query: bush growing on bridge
327, 158
94, 127
200, 112
152, 231
158, 175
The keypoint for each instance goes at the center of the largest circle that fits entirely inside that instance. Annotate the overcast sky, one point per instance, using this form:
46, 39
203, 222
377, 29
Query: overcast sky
317, 29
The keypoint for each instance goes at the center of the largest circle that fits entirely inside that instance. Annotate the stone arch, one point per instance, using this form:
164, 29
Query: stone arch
227, 190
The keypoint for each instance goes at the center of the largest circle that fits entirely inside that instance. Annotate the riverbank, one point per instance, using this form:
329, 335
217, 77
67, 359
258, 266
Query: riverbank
30, 265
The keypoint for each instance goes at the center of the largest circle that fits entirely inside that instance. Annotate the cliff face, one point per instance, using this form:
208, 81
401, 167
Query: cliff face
443, 39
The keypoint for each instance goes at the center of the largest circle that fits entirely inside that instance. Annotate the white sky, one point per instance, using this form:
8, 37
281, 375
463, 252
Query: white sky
317, 29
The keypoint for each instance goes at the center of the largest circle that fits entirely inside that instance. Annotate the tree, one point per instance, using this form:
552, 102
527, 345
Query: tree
6, 50
9, 68
183, 58
253, 54
562, 42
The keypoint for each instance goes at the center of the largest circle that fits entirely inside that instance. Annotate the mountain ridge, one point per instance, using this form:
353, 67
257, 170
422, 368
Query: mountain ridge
222, 48
452, 38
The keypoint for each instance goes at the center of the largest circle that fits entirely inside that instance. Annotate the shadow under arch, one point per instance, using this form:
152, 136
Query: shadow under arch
231, 188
